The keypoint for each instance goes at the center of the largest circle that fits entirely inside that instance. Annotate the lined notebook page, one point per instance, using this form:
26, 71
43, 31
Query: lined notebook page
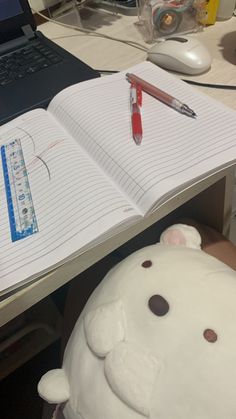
73, 202
175, 149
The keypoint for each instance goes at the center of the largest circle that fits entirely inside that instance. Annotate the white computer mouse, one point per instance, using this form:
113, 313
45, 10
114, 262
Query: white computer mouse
183, 54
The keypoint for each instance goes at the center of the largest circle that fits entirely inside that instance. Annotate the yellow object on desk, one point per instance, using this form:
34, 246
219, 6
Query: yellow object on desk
211, 7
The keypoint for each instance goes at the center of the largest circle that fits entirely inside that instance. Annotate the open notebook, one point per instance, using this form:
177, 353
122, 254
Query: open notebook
88, 179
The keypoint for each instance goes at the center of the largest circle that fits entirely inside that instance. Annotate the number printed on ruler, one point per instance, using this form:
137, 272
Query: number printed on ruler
21, 211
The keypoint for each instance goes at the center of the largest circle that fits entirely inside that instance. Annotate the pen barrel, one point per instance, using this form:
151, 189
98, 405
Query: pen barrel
136, 122
152, 90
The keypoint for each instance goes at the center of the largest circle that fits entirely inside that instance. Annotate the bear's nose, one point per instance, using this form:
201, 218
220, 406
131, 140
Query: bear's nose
158, 305
210, 335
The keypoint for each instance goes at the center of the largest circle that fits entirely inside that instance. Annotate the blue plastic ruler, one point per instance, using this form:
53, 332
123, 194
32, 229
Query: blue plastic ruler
21, 211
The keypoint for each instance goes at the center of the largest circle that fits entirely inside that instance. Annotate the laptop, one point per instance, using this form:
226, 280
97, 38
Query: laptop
32, 68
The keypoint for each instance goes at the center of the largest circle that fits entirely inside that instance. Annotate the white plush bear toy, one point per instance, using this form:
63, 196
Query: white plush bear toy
157, 339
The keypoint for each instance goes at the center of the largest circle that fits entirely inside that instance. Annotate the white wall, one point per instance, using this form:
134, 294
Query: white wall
42, 4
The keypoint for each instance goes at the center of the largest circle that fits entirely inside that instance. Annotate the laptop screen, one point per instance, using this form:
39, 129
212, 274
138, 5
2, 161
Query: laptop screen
9, 9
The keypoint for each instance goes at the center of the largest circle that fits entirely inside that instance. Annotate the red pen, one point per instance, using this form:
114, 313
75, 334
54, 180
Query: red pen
136, 120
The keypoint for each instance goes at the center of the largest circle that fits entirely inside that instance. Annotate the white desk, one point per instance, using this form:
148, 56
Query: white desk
105, 54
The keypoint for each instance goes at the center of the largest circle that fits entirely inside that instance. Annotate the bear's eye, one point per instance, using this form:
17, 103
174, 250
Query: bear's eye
147, 264
210, 335
158, 305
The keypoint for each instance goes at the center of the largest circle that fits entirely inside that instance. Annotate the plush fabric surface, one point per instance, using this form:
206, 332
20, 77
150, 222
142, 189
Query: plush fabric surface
157, 338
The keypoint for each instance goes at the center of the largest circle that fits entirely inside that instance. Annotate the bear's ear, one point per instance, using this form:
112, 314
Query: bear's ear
181, 235
54, 387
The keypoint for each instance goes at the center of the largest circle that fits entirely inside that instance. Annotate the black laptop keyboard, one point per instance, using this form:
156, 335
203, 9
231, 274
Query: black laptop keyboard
28, 60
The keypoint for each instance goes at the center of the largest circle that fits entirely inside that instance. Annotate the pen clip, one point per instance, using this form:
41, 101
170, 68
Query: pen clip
136, 94
139, 94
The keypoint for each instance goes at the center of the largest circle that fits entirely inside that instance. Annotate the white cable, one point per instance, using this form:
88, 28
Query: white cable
91, 33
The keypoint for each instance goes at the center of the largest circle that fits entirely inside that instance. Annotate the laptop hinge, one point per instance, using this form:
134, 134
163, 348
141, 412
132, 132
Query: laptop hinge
13, 44
18, 42
28, 32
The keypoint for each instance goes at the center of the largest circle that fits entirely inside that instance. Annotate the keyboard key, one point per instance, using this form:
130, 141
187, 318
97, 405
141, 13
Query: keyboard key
5, 82
28, 60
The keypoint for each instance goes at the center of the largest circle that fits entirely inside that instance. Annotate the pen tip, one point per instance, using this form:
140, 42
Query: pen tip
191, 113
137, 139
185, 109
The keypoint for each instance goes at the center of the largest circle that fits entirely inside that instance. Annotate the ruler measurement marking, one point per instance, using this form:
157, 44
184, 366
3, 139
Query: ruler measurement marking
21, 211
